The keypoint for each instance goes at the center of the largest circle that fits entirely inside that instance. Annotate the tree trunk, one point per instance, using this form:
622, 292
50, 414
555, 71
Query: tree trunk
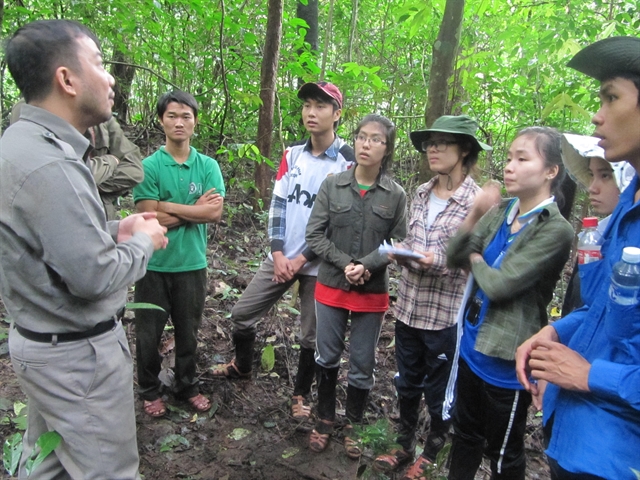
124, 78
352, 29
442, 62
268, 75
327, 36
309, 13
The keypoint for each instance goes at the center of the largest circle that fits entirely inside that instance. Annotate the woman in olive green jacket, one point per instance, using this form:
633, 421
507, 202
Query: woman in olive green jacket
516, 253
354, 212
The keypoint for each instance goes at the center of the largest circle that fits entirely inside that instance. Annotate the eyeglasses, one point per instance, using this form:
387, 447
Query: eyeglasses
440, 145
375, 141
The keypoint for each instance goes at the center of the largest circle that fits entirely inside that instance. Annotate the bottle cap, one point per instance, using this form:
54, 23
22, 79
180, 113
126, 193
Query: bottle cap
590, 222
631, 255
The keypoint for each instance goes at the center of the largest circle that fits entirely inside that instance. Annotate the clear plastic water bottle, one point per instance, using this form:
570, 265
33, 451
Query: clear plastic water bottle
625, 278
590, 242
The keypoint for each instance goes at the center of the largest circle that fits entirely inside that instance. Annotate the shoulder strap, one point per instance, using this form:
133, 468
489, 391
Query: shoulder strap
347, 152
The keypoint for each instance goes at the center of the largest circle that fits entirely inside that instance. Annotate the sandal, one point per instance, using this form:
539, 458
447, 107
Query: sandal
393, 460
154, 408
318, 442
299, 410
352, 446
417, 470
200, 403
230, 370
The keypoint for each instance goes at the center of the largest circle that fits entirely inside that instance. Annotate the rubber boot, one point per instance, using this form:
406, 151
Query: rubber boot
409, 417
306, 371
356, 403
327, 380
244, 341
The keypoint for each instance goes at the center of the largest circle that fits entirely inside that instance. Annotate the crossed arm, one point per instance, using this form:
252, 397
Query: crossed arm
207, 209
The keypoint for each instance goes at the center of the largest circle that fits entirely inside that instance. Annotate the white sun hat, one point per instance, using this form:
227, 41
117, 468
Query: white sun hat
576, 152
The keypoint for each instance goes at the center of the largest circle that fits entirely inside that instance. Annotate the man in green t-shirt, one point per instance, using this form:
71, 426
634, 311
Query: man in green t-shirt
186, 190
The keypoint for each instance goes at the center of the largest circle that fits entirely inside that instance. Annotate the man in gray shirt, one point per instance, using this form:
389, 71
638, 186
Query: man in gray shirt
65, 271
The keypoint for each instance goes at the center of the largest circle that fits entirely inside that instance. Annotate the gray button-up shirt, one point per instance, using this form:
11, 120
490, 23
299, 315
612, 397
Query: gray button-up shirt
60, 267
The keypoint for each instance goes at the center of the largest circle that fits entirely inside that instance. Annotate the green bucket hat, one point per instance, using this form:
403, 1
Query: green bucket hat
608, 57
457, 124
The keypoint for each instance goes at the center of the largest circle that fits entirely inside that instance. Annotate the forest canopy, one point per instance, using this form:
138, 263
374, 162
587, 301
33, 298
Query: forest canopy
509, 69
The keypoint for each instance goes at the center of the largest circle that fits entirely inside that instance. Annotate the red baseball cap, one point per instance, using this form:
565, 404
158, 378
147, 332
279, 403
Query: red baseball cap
313, 88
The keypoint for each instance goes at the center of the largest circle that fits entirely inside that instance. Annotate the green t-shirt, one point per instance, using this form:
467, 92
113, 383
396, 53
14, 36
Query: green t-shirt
166, 180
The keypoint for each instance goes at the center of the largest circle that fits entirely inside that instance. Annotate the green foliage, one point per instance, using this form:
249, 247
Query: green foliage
435, 471
12, 451
178, 412
143, 305
510, 70
172, 441
20, 418
46, 443
379, 436
268, 359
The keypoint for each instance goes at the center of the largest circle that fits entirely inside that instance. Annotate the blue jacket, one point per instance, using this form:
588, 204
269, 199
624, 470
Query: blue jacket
598, 432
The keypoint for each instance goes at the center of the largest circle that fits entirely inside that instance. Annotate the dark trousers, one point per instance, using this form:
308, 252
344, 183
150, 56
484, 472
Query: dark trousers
424, 359
182, 296
488, 415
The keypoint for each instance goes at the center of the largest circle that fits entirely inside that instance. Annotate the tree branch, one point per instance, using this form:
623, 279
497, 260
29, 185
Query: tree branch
153, 72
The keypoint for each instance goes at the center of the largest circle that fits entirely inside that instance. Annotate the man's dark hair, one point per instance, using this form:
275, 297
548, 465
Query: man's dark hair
177, 96
632, 77
37, 49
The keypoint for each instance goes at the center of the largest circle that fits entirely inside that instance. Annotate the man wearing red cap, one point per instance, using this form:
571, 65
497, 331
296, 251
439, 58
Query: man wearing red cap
589, 361
302, 170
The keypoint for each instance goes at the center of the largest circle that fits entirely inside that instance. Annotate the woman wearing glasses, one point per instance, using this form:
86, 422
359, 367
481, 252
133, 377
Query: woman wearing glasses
516, 252
354, 212
430, 294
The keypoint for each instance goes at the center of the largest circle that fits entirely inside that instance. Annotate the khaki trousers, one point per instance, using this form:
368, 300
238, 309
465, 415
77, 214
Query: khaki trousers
84, 391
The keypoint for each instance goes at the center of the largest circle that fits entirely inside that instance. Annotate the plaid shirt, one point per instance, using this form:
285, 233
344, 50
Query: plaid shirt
429, 298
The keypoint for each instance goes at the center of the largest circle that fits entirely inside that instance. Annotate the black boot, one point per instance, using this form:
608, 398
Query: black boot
409, 417
356, 403
306, 372
244, 341
327, 380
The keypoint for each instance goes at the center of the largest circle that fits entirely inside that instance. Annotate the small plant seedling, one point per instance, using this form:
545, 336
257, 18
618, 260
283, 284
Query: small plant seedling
172, 441
379, 437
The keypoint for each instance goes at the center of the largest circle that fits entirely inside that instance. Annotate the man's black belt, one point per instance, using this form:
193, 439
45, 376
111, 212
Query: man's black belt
66, 337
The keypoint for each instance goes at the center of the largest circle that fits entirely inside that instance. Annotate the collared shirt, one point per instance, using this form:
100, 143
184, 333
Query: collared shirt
294, 193
598, 432
169, 181
429, 298
60, 267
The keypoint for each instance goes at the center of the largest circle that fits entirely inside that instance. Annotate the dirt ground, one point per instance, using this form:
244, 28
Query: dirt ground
249, 433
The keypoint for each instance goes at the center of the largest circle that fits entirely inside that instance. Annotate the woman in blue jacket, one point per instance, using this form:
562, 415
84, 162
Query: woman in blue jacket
516, 252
